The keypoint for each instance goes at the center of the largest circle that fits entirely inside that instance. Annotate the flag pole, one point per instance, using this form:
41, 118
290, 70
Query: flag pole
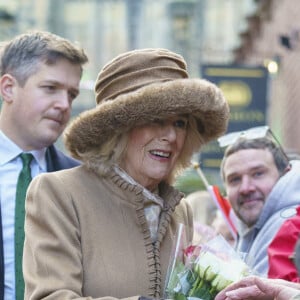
200, 173
222, 204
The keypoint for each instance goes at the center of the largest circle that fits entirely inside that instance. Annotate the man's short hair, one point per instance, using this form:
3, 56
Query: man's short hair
280, 158
22, 56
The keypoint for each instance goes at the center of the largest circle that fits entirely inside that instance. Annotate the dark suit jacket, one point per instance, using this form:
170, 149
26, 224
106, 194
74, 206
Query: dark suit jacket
56, 161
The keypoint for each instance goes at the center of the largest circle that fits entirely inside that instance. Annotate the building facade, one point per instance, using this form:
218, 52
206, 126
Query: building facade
246, 32
273, 36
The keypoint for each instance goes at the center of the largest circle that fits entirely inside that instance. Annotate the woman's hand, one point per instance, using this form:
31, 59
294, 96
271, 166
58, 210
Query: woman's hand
256, 288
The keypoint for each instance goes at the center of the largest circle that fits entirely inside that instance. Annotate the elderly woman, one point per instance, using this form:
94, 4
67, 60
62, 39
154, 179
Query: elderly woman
106, 229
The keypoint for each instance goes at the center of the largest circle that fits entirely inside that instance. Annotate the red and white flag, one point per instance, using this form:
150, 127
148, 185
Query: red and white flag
221, 202
224, 206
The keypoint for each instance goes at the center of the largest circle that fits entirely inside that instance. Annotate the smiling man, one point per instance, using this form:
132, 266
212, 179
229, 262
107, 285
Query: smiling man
261, 187
39, 79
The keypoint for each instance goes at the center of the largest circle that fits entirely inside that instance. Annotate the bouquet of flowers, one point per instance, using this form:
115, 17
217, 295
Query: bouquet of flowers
201, 271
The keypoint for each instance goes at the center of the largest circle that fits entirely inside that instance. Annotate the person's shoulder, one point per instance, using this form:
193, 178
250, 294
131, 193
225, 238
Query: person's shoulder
69, 177
184, 210
291, 224
57, 160
290, 212
69, 160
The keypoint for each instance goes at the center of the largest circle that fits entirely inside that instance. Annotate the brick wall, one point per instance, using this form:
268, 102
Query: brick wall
284, 93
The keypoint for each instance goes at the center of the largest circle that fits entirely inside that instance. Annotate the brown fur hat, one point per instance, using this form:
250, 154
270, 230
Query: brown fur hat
141, 86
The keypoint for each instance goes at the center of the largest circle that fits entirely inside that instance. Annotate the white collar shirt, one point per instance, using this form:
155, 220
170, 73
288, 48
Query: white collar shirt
10, 167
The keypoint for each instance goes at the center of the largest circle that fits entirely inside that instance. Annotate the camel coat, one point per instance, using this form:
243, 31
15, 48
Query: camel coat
87, 237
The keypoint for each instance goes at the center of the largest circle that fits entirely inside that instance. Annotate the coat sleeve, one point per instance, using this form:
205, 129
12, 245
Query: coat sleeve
52, 259
281, 251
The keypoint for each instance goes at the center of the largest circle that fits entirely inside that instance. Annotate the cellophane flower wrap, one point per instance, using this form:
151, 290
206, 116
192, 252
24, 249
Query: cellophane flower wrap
201, 271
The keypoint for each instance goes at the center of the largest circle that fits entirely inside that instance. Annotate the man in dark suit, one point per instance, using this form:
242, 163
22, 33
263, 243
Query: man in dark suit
39, 78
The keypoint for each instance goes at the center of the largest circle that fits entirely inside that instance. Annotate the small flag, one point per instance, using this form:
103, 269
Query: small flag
221, 203
224, 206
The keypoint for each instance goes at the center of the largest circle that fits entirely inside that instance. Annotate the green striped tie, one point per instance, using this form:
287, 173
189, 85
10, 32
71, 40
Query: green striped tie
23, 182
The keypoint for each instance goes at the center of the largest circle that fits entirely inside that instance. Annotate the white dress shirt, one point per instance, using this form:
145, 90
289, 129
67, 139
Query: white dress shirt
10, 167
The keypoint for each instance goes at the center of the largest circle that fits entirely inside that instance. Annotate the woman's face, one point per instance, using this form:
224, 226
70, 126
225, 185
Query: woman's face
153, 150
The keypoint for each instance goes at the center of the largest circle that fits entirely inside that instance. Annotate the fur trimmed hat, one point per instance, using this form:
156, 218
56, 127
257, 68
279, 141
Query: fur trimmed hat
141, 86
